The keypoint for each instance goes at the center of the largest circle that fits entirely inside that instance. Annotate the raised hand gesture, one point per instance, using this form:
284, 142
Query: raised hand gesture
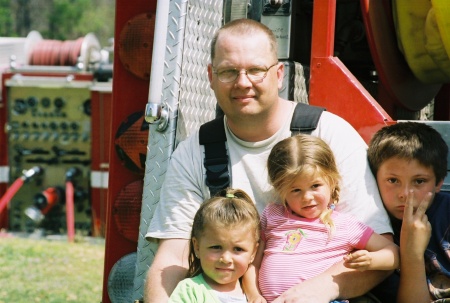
416, 229
414, 238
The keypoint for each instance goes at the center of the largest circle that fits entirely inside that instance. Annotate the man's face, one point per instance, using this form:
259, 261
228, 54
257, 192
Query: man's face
242, 98
396, 177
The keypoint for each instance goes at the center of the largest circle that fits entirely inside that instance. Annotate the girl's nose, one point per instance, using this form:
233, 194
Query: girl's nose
308, 195
225, 258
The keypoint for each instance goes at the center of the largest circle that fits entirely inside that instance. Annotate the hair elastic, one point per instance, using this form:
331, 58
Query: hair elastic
230, 196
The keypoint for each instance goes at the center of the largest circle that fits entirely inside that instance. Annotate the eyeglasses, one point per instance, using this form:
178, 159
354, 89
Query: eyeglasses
254, 74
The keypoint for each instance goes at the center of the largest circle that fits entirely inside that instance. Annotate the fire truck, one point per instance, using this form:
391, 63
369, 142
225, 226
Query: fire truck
92, 142
56, 98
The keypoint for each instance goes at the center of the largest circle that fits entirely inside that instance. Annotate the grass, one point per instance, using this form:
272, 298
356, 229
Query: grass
50, 271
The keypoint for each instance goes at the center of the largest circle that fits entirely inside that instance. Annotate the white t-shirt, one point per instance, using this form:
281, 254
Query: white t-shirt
184, 188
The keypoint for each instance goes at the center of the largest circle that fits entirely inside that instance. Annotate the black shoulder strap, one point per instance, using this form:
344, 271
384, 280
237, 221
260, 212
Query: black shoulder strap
212, 136
305, 118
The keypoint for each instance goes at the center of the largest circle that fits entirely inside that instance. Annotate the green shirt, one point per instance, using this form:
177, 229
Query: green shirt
196, 290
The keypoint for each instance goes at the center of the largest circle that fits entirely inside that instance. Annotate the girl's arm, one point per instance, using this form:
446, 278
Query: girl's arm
380, 254
250, 278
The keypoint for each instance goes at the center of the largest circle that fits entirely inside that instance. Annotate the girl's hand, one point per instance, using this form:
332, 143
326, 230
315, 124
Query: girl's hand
359, 260
416, 229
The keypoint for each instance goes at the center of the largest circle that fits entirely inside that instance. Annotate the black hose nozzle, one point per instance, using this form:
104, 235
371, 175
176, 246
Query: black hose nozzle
71, 173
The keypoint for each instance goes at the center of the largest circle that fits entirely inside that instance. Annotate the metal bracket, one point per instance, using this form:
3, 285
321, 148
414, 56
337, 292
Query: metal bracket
157, 113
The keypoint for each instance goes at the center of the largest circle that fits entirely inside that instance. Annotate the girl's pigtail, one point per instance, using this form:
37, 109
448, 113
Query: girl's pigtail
325, 217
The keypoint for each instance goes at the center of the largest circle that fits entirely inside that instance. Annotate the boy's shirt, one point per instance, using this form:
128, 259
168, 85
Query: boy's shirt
437, 255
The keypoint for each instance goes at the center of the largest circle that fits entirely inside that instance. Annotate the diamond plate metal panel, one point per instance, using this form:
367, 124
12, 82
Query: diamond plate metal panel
197, 104
294, 82
187, 96
300, 83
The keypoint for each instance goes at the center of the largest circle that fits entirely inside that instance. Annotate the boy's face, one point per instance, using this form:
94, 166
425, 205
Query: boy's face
396, 177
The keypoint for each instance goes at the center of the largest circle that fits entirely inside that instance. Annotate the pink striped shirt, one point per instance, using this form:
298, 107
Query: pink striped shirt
298, 249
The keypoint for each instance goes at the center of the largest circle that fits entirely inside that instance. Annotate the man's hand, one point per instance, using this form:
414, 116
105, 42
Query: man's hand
309, 291
298, 294
256, 299
336, 282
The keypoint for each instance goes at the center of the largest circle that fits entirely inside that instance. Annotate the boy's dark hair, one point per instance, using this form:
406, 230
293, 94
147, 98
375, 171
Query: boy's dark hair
409, 140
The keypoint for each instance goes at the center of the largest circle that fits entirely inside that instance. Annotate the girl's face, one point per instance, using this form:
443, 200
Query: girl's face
225, 254
396, 177
309, 197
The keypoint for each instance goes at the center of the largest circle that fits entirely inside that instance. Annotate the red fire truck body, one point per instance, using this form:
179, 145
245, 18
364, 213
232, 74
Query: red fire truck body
111, 135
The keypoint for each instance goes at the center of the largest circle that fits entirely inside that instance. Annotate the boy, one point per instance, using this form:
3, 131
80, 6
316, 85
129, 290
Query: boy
409, 161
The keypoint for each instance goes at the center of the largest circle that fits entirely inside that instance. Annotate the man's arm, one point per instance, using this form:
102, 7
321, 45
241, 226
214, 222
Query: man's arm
250, 278
336, 282
168, 268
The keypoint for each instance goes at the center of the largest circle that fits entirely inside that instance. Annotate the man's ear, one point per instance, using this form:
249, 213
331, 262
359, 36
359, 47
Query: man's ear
280, 74
210, 74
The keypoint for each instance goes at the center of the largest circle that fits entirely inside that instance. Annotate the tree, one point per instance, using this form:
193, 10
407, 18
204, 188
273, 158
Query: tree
65, 17
6, 20
58, 19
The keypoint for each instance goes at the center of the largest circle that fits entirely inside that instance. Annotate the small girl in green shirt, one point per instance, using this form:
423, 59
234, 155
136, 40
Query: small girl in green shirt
224, 240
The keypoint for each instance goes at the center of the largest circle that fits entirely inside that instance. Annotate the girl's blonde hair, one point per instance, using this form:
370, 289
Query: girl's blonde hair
304, 156
230, 207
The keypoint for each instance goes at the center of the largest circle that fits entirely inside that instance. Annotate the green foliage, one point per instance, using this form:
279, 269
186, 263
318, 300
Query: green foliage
64, 18
50, 271
58, 19
6, 20
99, 20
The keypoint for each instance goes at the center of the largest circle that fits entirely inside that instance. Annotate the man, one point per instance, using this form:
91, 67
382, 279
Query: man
245, 76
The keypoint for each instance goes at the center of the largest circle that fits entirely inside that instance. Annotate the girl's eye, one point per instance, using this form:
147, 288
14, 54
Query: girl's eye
238, 249
215, 247
392, 180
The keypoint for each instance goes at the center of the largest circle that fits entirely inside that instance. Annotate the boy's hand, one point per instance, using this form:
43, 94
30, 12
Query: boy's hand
359, 260
416, 229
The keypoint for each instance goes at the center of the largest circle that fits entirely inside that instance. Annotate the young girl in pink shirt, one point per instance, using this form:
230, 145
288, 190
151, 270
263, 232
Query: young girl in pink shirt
301, 233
